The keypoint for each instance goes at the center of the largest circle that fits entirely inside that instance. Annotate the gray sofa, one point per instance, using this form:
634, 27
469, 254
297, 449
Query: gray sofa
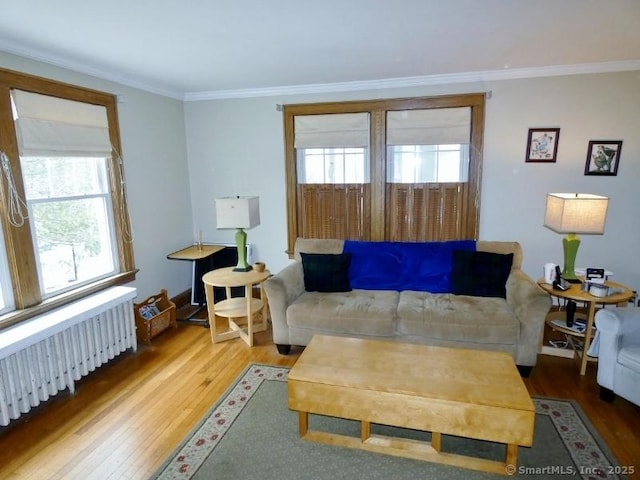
513, 324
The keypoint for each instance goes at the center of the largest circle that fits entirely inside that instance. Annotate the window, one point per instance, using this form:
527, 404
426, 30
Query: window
332, 149
333, 180
428, 145
72, 224
428, 163
332, 165
413, 174
66, 222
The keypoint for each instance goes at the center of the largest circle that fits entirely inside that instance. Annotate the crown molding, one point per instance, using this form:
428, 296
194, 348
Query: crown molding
426, 80
84, 68
387, 83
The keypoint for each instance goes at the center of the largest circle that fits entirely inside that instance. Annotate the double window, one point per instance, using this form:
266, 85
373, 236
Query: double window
398, 170
64, 217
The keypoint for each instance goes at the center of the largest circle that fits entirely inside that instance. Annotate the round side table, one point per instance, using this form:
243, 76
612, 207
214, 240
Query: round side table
239, 311
576, 294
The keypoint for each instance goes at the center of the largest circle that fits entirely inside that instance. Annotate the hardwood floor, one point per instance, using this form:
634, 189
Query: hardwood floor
128, 416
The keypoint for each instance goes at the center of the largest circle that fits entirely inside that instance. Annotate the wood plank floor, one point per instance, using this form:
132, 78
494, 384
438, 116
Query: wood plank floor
127, 417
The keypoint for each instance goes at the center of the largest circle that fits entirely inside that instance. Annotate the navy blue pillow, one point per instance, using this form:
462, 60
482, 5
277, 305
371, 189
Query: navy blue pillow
480, 274
325, 272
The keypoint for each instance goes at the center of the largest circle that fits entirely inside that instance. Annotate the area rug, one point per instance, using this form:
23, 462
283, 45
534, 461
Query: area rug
250, 433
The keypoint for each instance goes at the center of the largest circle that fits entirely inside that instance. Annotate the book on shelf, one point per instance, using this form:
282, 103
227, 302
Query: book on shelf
579, 325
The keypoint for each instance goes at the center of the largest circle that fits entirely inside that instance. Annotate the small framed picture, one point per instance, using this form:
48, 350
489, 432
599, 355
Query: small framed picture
542, 144
603, 157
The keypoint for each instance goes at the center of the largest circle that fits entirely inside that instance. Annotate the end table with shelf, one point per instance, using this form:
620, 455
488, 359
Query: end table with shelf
239, 311
590, 302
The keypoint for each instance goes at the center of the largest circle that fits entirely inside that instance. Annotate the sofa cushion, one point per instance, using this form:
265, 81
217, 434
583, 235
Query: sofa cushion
457, 317
482, 274
326, 272
359, 312
630, 357
421, 266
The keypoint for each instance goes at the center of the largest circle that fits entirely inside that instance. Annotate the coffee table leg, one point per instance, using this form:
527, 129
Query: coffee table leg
512, 455
365, 431
436, 441
303, 423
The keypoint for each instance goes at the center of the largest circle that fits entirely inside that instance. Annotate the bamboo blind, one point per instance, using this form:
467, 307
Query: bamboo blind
335, 211
426, 212
413, 213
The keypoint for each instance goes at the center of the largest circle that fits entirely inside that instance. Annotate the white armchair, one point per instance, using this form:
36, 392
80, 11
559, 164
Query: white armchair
618, 346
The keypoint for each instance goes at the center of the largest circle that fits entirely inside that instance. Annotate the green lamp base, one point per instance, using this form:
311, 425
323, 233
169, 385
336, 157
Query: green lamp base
241, 245
570, 246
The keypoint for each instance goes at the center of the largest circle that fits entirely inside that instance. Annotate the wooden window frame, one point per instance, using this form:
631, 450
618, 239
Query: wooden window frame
21, 256
377, 154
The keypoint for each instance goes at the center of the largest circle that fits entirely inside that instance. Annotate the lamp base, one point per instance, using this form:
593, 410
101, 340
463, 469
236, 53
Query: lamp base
241, 245
243, 269
570, 246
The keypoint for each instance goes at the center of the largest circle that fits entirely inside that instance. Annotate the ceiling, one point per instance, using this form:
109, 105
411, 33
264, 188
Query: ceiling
214, 48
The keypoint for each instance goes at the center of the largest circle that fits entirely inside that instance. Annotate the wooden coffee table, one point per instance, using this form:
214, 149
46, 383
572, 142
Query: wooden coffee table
467, 393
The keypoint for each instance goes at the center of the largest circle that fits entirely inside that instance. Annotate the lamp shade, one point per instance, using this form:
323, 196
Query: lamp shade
237, 212
576, 213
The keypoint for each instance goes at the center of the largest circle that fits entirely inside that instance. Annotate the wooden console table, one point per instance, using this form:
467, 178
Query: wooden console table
199, 254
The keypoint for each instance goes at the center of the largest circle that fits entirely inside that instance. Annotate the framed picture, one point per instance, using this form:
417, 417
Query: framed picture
603, 157
542, 144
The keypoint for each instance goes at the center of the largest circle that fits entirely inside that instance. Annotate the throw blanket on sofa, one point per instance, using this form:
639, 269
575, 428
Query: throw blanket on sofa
420, 266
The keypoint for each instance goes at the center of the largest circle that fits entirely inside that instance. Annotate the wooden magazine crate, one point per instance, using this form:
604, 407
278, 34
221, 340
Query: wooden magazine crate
154, 315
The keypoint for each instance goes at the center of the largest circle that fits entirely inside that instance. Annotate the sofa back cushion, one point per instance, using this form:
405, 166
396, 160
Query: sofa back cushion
317, 245
335, 246
504, 248
419, 266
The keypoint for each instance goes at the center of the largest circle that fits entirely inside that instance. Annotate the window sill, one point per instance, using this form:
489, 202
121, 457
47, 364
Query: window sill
49, 304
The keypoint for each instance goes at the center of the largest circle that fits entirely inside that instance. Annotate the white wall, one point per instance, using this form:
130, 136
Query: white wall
585, 107
235, 147
156, 170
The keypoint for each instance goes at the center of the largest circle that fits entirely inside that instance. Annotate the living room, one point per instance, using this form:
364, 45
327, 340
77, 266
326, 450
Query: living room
184, 148
193, 148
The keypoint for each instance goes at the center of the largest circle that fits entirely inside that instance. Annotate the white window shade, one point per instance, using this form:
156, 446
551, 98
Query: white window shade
438, 126
51, 126
333, 130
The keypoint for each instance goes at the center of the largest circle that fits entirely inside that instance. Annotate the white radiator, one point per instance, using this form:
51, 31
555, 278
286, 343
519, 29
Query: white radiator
44, 355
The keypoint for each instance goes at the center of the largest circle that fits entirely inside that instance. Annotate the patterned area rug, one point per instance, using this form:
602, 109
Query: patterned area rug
250, 433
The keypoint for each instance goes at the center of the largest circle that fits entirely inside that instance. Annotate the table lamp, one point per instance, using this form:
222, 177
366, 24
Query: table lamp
574, 213
240, 213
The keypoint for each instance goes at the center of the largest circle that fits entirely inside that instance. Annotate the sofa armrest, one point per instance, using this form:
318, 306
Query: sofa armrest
282, 289
615, 328
618, 321
530, 304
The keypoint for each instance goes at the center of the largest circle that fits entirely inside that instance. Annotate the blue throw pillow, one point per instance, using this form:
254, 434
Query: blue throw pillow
480, 274
326, 272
